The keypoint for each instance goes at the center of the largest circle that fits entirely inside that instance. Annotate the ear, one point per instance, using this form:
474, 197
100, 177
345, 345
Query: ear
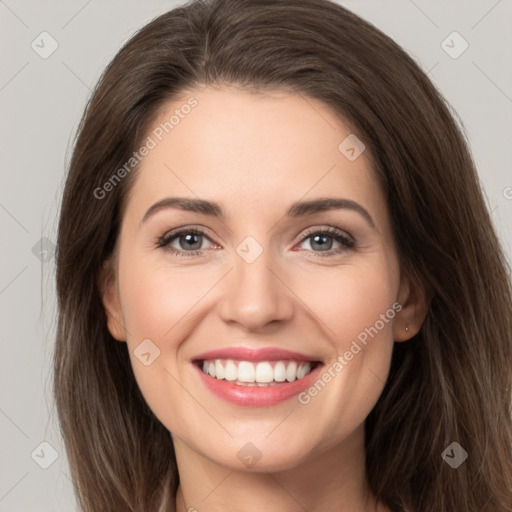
110, 298
415, 300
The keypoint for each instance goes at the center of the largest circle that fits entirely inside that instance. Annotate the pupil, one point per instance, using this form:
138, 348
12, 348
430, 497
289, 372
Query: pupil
321, 245
189, 238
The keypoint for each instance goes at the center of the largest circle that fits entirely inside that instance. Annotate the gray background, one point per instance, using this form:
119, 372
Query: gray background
41, 101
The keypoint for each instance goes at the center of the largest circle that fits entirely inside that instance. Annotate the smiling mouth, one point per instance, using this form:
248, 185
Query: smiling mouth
260, 374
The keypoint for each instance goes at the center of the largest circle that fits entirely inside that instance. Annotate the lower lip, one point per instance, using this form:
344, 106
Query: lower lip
255, 396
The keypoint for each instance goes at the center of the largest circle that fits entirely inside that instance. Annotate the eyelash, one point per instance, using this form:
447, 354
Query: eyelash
346, 242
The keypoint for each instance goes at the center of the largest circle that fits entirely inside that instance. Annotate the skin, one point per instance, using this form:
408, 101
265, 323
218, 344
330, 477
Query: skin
256, 154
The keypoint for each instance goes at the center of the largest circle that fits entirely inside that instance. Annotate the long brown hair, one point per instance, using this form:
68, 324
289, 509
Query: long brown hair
451, 382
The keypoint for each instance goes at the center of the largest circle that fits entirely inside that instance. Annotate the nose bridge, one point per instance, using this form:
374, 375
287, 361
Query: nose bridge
254, 295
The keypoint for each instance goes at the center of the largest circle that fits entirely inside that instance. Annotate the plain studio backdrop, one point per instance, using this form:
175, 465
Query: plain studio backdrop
52, 55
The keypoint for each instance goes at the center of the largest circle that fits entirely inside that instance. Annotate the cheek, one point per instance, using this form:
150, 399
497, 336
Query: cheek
157, 298
158, 305
350, 299
355, 306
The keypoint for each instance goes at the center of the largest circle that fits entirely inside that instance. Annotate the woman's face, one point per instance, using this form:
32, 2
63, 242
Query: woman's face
263, 293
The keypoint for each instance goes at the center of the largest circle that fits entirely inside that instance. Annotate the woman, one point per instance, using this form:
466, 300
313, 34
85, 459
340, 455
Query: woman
338, 333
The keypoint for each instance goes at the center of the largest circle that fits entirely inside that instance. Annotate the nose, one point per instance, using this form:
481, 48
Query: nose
256, 294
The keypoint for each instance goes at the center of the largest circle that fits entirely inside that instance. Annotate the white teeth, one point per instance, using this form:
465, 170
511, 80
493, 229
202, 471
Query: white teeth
301, 372
230, 371
291, 372
219, 370
246, 372
264, 373
280, 372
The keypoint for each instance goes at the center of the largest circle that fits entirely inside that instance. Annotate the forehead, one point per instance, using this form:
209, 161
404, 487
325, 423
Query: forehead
253, 149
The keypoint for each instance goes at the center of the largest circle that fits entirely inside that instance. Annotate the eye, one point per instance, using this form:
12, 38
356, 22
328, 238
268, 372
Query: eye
189, 242
323, 240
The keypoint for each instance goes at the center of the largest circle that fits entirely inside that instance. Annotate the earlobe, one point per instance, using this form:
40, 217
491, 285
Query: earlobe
415, 300
111, 303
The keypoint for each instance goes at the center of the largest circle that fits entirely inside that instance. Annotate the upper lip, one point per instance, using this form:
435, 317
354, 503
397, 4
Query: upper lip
254, 354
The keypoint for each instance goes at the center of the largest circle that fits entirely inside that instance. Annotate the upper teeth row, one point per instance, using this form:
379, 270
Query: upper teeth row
245, 371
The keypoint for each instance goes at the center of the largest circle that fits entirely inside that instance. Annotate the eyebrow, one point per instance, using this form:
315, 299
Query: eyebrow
297, 209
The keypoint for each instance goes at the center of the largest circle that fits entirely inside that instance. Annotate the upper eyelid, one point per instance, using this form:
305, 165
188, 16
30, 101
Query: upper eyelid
330, 230
173, 233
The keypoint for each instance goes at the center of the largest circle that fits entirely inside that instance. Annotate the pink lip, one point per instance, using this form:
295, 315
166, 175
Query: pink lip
254, 354
255, 396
